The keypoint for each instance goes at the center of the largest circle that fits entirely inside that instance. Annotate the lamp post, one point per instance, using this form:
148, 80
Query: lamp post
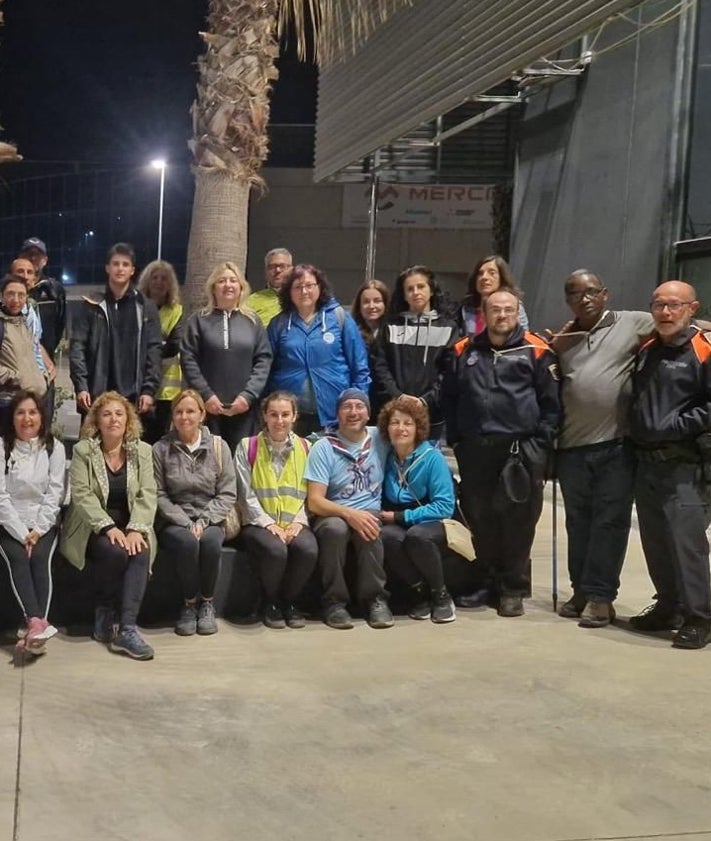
160, 164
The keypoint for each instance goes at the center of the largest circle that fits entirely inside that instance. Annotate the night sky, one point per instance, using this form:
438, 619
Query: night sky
112, 82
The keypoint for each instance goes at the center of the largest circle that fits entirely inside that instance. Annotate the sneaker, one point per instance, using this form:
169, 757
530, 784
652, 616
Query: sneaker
186, 625
573, 608
656, 618
479, 598
338, 617
692, 635
421, 608
38, 632
597, 615
273, 617
206, 620
510, 606
129, 641
379, 615
104, 624
442, 606
293, 617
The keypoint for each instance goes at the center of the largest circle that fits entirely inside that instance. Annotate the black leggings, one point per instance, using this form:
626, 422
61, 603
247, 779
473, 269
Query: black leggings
283, 569
197, 561
415, 553
119, 579
30, 578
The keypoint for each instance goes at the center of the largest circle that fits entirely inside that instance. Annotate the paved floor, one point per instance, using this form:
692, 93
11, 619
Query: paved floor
527, 729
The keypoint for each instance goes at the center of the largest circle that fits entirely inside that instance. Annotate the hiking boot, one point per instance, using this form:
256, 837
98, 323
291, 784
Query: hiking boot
273, 617
442, 606
693, 634
510, 606
186, 625
379, 615
597, 615
479, 598
206, 621
656, 618
421, 608
293, 617
338, 617
573, 608
129, 641
104, 624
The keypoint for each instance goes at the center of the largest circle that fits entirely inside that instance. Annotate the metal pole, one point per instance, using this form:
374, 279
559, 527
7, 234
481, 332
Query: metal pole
554, 550
372, 217
160, 211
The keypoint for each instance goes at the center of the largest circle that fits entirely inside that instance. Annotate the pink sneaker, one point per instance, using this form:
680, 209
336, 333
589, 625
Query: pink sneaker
38, 632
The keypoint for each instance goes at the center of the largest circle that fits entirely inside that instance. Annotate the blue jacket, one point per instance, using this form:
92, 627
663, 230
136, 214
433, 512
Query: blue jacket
423, 478
329, 350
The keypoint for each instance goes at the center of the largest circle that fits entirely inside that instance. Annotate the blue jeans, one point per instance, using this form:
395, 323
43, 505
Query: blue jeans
597, 483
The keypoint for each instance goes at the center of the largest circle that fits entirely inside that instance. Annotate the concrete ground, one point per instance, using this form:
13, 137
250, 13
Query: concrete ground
527, 729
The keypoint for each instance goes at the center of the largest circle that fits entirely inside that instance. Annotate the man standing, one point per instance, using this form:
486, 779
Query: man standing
265, 302
345, 475
502, 412
24, 268
595, 461
670, 425
116, 340
48, 294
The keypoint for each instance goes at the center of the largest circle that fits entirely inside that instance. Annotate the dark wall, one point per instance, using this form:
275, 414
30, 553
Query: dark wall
592, 185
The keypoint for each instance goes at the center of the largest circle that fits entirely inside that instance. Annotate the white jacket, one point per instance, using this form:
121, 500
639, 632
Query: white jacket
33, 489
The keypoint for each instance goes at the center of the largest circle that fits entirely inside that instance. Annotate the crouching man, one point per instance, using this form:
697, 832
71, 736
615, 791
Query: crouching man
344, 473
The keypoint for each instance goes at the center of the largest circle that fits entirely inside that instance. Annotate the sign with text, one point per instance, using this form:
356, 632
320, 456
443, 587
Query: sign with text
420, 205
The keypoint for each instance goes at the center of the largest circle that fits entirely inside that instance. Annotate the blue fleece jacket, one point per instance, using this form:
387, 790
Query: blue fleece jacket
329, 350
424, 477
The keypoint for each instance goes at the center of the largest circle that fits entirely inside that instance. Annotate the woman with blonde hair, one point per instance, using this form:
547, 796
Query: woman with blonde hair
196, 488
109, 524
159, 283
225, 355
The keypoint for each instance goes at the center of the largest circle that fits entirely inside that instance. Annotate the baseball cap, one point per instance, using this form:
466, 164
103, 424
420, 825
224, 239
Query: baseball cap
34, 242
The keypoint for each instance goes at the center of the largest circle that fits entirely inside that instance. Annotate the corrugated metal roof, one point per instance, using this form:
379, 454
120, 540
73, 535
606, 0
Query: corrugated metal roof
430, 58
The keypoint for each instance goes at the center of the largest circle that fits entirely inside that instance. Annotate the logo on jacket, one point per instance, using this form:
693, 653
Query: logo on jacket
329, 338
473, 358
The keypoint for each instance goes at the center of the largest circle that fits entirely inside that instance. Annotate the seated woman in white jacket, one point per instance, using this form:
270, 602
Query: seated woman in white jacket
32, 487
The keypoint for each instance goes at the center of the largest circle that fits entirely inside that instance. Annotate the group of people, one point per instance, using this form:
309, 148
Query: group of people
351, 409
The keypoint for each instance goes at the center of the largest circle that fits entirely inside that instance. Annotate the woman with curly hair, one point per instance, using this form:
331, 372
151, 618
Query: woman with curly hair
489, 275
32, 487
225, 355
159, 283
318, 351
418, 493
109, 524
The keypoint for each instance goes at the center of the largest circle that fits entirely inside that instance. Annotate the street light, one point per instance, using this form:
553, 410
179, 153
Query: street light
161, 165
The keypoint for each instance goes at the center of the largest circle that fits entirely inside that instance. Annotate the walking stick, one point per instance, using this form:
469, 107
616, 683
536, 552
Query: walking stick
554, 548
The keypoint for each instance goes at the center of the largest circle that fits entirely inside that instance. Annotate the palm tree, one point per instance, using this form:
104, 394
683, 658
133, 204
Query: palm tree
231, 111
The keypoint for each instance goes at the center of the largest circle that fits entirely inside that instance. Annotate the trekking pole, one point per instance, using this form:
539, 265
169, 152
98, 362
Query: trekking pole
554, 547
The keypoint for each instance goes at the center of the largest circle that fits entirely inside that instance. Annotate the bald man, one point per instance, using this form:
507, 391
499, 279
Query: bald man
670, 423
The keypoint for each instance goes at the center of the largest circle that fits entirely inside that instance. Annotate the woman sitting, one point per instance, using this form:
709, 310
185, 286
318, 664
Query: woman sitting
196, 488
272, 493
418, 492
489, 275
32, 487
109, 524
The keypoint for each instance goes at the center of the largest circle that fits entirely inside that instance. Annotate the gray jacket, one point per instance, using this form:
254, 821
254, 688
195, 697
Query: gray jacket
193, 487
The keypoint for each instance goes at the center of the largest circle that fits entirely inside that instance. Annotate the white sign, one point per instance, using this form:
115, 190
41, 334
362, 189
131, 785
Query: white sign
420, 205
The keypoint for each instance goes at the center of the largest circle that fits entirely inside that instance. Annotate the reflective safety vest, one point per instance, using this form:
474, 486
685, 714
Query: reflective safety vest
171, 382
282, 498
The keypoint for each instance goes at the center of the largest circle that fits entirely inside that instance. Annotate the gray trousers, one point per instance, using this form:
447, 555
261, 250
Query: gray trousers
673, 513
334, 536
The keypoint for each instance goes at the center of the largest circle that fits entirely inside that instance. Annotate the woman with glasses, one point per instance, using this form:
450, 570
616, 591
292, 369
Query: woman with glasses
490, 274
318, 349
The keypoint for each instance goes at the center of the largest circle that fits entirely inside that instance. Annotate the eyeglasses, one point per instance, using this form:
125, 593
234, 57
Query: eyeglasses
502, 310
577, 297
277, 267
305, 287
672, 306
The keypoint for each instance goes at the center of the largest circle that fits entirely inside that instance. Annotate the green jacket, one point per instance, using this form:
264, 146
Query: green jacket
89, 492
265, 302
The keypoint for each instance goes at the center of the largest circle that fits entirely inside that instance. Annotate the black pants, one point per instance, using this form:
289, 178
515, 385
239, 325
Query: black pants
233, 428
197, 562
415, 553
673, 514
157, 422
334, 536
30, 578
503, 531
284, 569
119, 579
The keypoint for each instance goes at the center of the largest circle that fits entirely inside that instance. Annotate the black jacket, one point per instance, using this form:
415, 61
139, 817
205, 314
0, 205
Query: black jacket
51, 302
90, 350
512, 390
672, 389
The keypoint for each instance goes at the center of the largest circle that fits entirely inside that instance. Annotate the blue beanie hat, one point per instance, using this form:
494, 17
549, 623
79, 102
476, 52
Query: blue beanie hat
352, 394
